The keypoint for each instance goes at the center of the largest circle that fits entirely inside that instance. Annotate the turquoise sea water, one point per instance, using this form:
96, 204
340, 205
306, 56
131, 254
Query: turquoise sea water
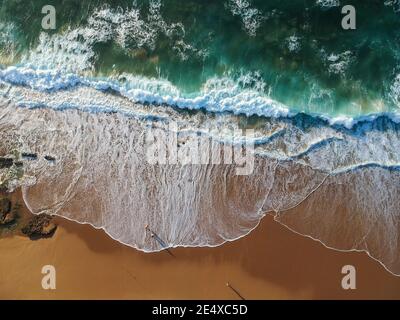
294, 52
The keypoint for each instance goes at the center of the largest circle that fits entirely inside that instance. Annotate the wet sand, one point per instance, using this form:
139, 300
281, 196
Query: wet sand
270, 263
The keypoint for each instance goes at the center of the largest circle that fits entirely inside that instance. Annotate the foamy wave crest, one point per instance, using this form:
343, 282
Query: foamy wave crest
8, 40
243, 96
337, 63
251, 17
73, 50
218, 95
395, 4
332, 145
328, 3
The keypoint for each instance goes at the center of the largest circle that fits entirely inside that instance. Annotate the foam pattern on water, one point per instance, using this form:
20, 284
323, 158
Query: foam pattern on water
334, 183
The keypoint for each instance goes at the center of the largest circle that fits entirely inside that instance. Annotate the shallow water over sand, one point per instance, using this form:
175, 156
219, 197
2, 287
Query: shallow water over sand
101, 176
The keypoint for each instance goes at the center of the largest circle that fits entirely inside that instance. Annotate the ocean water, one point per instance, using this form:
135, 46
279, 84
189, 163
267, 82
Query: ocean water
294, 52
323, 103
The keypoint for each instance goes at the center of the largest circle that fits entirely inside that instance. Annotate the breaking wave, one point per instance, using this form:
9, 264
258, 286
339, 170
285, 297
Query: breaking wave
217, 95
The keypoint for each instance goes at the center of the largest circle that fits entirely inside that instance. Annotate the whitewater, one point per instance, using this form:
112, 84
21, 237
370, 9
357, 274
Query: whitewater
345, 176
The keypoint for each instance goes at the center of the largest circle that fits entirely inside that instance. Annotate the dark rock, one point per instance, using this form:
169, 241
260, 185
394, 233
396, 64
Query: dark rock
6, 216
6, 162
29, 156
50, 158
39, 226
19, 164
5, 206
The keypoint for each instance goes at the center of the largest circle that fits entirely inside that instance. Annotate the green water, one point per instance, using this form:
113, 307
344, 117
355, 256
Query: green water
356, 79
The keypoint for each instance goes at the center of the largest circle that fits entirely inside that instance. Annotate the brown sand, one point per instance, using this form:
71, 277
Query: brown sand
270, 263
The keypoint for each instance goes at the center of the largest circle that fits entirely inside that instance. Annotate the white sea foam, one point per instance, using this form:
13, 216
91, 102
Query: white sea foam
73, 50
217, 95
245, 95
251, 17
395, 91
8, 39
293, 43
63, 52
328, 3
204, 205
395, 4
337, 63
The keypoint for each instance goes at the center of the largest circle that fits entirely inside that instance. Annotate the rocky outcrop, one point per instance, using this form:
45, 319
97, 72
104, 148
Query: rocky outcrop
50, 158
40, 226
29, 156
6, 214
6, 162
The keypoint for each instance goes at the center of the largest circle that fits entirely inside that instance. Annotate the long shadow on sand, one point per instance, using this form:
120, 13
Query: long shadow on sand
271, 253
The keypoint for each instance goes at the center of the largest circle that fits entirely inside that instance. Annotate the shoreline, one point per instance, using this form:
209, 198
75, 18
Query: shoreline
271, 262
239, 257
266, 215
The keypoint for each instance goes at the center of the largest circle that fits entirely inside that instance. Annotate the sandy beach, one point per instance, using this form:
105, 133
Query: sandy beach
270, 263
